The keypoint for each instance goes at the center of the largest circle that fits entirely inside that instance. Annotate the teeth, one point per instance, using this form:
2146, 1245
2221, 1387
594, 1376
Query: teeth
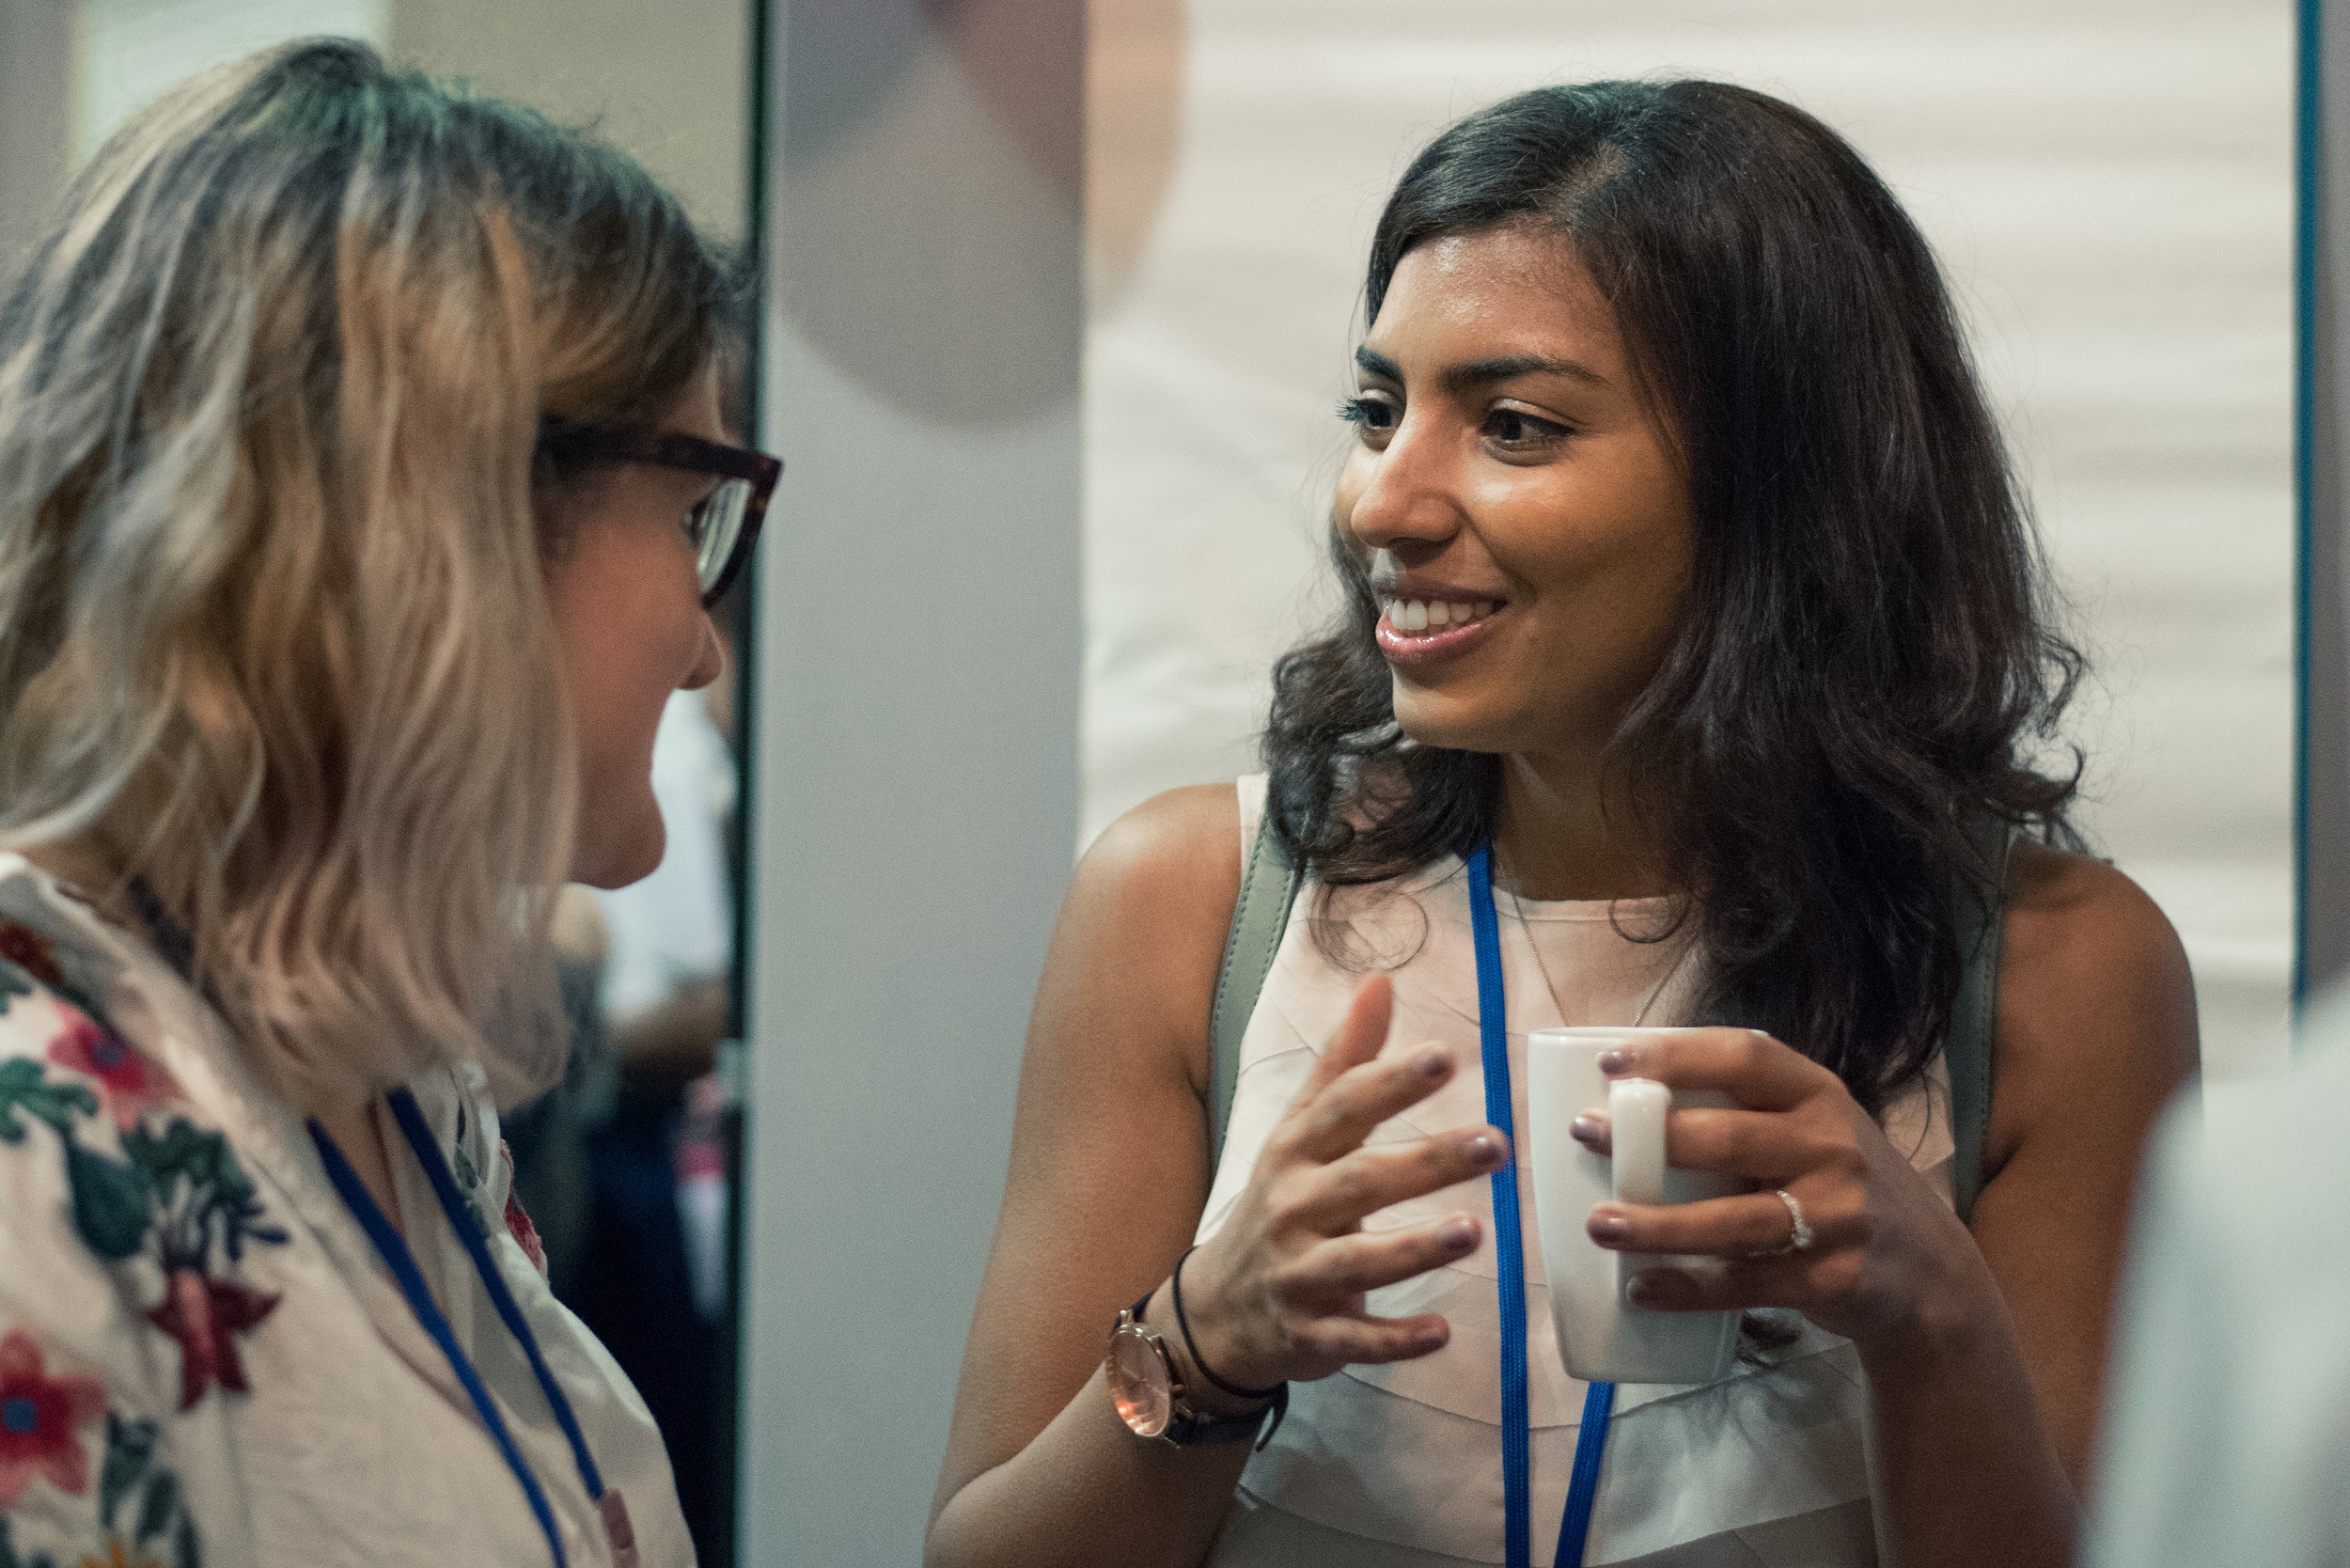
1413, 616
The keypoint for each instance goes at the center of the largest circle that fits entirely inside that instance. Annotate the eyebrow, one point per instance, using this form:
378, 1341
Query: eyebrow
1484, 372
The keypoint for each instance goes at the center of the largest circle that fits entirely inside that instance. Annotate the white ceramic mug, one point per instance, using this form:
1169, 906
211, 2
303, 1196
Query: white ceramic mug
1604, 1337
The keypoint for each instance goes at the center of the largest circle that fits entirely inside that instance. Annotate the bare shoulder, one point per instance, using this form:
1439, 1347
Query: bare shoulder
1183, 845
2094, 994
1109, 1151
2078, 928
1142, 934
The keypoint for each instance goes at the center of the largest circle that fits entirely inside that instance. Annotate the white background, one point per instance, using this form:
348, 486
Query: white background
130, 51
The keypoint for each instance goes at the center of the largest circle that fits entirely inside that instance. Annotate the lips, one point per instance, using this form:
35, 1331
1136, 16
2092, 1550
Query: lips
1418, 617
1424, 631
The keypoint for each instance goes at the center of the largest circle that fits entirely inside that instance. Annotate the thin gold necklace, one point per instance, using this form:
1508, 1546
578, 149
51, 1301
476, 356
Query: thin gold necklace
1542, 967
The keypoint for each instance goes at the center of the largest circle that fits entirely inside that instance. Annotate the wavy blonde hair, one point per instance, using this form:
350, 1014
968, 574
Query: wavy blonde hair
273, 636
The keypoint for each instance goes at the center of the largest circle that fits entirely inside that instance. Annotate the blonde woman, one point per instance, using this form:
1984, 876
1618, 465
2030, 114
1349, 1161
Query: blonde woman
362, 489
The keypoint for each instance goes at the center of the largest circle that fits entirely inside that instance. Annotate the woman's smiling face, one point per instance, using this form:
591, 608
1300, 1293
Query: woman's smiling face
1525, 522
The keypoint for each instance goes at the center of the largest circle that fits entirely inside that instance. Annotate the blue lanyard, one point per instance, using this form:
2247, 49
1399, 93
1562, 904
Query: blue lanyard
402, 1264
1599, 1400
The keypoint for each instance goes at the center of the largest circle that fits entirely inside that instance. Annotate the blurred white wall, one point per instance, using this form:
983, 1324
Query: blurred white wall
669, 81
36, 118
917, 725
673, 87
2109, 185
126, 53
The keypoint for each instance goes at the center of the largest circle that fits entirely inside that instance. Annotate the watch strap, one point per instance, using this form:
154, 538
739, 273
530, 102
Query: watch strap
1193, 1427
1188, 1428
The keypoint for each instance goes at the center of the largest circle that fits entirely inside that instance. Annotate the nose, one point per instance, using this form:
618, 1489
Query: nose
1406, 492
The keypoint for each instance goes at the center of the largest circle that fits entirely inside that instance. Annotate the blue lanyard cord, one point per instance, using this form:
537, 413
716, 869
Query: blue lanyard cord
403, 1266
1493, 1025
1517, 1504
436, 1170
1591, 1441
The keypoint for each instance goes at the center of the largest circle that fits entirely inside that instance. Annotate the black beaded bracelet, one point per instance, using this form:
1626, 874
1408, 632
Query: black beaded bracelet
1199, 1362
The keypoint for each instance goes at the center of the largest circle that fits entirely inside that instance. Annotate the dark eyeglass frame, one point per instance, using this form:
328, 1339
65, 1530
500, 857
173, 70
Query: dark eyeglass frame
573, 444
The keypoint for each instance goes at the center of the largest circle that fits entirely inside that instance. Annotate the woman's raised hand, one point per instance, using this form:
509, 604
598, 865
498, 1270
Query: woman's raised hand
1885, 1249
1278, 1294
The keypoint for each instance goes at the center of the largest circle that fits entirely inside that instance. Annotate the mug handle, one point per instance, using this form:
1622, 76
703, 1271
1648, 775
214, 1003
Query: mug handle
1635, 1116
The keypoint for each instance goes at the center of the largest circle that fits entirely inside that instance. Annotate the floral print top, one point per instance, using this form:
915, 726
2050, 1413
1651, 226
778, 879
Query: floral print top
202, 1359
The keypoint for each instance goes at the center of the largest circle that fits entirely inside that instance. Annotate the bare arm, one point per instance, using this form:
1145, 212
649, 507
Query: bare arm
1109, 1175
2096, 1032
2096, 1027
1983, 1352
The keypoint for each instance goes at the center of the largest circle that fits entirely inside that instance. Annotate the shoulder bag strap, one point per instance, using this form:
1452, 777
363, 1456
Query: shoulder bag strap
1968, 1050
1267, 888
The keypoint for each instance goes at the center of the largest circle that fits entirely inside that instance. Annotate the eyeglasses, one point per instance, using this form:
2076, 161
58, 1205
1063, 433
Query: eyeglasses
722, 527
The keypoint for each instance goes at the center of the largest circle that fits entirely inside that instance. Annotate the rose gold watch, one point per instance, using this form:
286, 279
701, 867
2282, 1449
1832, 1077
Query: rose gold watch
1148, 1393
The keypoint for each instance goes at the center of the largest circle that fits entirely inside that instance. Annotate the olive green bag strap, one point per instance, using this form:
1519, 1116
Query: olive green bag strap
1967, 1049
1267, 888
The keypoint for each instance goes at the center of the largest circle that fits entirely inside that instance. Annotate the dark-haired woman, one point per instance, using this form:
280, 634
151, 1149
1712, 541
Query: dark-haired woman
1694, 623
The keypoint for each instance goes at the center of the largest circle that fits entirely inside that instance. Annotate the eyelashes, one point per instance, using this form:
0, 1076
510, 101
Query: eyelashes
1507, 429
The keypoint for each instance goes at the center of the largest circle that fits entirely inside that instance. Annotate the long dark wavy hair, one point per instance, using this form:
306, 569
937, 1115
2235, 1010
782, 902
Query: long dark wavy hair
1868, 666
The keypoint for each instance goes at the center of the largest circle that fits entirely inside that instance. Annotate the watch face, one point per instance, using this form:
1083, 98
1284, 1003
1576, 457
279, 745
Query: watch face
1138, 1383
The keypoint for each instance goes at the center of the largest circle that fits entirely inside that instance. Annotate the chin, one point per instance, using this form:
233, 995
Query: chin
1450, 725
607, 858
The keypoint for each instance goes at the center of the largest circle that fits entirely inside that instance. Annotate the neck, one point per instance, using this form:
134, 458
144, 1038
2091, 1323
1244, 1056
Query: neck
80, 863
353, 1125
1568, 830
86, 867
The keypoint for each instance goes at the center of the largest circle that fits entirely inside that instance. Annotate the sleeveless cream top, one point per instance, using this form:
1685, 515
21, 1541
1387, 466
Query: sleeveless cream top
1400, 1465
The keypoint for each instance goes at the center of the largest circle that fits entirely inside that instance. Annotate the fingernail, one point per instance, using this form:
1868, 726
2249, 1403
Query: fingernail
1586, 1128
1434, 1062
1458, 1233
1484, 1149
1656, 1287
1605, 1225
1617, 1058
1430, 1339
